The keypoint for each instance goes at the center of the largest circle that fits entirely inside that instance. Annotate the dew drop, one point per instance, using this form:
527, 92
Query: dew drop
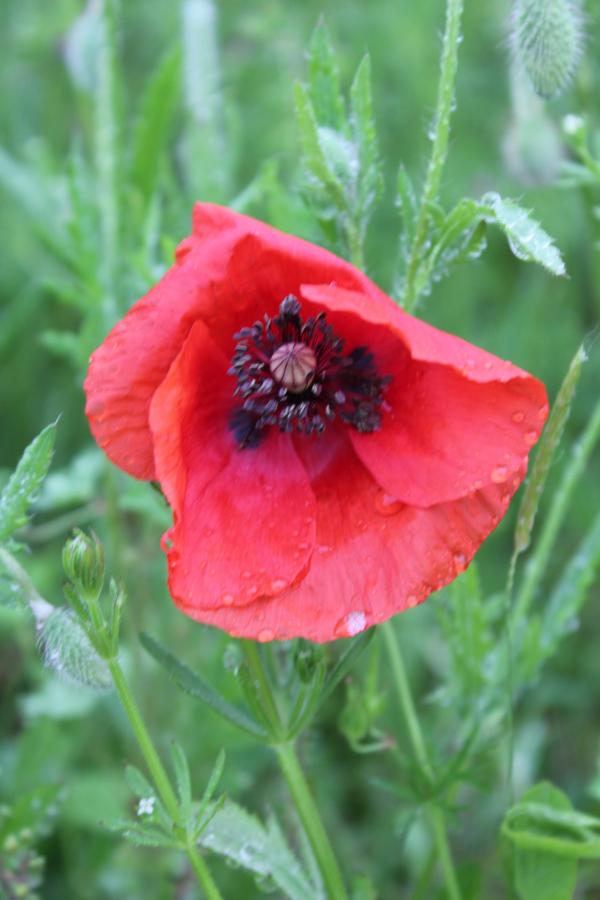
386, 504
499, 474
351, 624
518, 417
278, 585
228, 599
488, 365
252, 591
246, 574
530, 437
324, 548
460, 560
411, 600
303, 546
266, 635
295, 532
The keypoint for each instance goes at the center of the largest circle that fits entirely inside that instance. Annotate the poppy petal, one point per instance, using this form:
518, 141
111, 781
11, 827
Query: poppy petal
244, 520
374, 557
458, 418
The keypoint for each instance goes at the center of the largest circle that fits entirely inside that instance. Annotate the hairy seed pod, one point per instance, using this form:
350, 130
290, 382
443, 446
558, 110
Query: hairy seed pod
547, 38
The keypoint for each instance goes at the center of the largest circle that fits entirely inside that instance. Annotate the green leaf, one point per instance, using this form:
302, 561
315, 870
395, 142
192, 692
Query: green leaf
68, 651
324, 80
548, 445
138, 783
569, 595
25, 482
143, 835
182, 779
346, 662
197, 687
153, 127
464, 624
538, 875
242, 838
527, 239
315, 159
370, 184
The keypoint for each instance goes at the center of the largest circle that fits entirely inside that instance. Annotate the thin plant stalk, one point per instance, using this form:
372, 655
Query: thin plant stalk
439, 148
415, 734
159, 776
295, 779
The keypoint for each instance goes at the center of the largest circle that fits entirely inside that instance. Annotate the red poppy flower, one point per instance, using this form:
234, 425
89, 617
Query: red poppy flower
329, 459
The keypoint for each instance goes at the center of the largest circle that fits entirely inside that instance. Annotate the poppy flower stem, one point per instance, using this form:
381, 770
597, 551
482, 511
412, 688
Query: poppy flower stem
439, 150
294, 776
311, 820
413, 727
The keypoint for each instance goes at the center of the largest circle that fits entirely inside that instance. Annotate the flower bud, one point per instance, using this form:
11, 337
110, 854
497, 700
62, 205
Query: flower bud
83, 562
548, 36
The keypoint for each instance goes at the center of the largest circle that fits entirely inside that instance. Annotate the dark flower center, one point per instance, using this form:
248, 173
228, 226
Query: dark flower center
295, 375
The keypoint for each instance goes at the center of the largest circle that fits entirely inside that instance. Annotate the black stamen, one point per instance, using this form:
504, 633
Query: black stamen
293, 375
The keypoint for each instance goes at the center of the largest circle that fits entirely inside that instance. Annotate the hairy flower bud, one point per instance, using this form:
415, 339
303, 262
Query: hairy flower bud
547, 37
83, 562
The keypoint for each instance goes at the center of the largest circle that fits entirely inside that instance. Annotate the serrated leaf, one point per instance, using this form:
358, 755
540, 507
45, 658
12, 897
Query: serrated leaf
68, 651
548, 445
570, 593
138, 783
324, 80
314, 156
153, 129
25, 482
143, 835
526, 237
182, 779
370, 184
242, 838
195, 686
465, 627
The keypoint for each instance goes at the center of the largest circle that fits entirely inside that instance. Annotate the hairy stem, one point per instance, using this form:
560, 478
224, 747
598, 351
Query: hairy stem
413, 727
439, 149
311, 821
159, 776
292, 772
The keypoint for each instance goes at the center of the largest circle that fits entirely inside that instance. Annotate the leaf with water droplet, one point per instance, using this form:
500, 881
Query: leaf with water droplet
526, 237
25, 482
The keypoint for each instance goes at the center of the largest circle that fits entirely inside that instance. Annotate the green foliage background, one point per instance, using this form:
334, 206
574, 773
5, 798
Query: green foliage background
55, 734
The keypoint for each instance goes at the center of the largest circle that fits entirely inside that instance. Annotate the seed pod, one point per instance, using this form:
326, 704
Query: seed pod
547, 37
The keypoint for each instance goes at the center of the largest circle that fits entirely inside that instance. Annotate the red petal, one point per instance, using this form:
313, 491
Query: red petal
230, 270
244, 520
374, 557
459, 418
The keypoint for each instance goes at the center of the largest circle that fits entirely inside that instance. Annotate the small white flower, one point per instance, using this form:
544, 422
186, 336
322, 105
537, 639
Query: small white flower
572, 124
146, 806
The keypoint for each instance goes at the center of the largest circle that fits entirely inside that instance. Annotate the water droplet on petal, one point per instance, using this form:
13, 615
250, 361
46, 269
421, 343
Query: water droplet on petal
303, 546
386, 504
351, 624
518, 417
246, 574
228, 599
530, 437
324, 548
266, 635
278, 585
499, 474
411, 600
252, 591
460, 560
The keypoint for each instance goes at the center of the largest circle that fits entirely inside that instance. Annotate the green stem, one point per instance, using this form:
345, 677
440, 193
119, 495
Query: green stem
438, 825
292, 772
311, 821
159, 776
439, 149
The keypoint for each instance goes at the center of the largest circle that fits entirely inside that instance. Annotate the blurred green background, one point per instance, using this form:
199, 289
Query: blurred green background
503, 139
